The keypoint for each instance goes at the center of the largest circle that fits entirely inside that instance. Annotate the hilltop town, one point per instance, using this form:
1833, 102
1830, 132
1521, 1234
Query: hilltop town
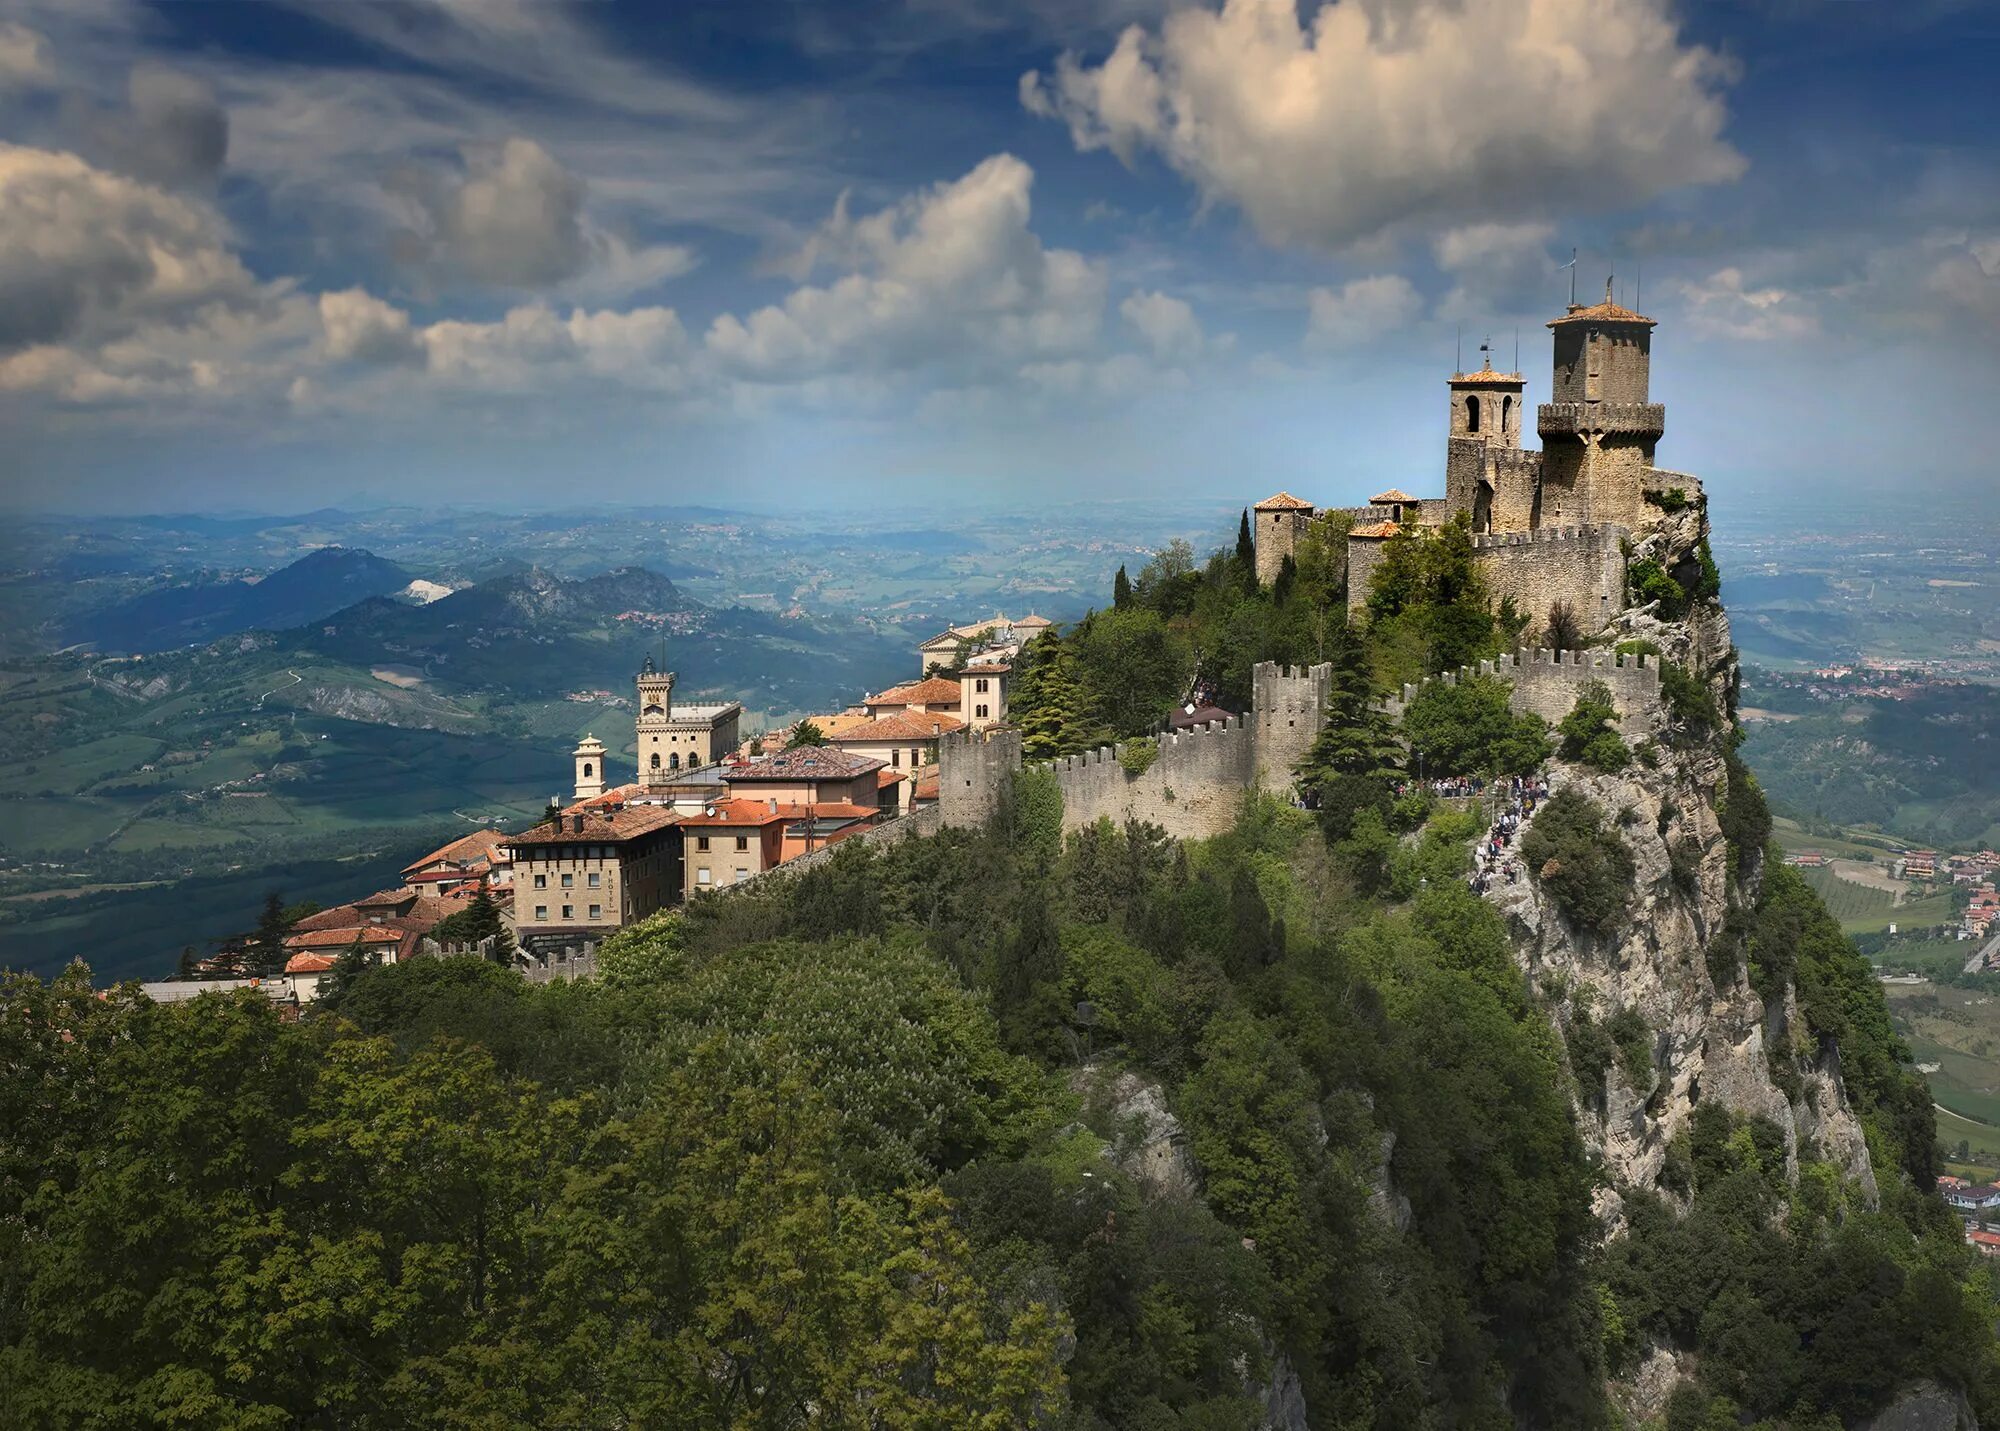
1578, 544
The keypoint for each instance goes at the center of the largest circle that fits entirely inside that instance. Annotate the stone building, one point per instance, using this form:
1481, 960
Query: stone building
594, 868
676, 738
1549, 526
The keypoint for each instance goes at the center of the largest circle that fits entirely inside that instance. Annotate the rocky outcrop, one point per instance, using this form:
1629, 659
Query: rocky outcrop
1147, 1142
1924, 1407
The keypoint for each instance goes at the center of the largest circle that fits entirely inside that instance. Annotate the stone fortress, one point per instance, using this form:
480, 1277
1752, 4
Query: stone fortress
1550, 526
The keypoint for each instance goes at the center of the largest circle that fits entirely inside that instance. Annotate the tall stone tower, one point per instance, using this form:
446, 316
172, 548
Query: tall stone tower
589, 757
1599, 431
1275, 524
656, 714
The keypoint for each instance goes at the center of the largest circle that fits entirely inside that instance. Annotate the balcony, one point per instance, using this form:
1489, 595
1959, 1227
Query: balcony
1560, 419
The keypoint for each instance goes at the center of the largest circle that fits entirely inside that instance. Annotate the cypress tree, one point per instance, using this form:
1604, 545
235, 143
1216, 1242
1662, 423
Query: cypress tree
1246, 549
1121, 590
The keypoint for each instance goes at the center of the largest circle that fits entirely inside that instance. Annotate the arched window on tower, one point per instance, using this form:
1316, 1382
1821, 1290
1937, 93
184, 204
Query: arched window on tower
656, 760
674, 760
1506, 414
1472, 414
586, 770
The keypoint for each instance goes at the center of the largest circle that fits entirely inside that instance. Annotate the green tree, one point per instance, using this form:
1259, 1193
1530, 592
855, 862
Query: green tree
1469, 728
1048, 701
266, 952
805, 734
1584, 867
1589, 733
1121, 590
1246, 550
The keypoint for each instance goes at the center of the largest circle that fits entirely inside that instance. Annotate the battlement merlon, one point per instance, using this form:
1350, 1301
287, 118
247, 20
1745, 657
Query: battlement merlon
1597, 537
1572, 419
1546, 683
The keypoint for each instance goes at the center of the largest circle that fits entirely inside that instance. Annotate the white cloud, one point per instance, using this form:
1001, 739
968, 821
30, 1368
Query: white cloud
94, 255
1360, 310
362, 328
534, 346
24, 57
1720, 306
952, 276
516, 219
1497, 268
1332, 134
1166, 323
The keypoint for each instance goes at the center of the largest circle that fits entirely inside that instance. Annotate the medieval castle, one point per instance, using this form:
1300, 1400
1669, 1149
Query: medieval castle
1549, 527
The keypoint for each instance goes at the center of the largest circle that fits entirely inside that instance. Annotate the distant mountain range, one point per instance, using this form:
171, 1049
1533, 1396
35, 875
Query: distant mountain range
316, 585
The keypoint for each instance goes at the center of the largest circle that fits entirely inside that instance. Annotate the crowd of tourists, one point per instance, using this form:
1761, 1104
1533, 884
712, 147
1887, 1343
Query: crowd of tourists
1517, 797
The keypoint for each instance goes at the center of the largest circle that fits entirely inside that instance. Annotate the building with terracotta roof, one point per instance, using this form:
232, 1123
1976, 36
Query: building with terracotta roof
673, 738
737, 839
904, 740
999, 639
811, 775
593, 869
474, 859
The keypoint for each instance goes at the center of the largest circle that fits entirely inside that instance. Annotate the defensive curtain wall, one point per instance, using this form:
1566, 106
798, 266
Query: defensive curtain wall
1584, 566
1546, 683
1193, 787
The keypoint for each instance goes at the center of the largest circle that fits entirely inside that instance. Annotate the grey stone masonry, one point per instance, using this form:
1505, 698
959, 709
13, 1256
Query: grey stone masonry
1570, 418
1545, 683
1581, 566
1192, 788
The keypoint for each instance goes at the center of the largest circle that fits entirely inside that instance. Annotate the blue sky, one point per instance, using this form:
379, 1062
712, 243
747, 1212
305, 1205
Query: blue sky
914, 254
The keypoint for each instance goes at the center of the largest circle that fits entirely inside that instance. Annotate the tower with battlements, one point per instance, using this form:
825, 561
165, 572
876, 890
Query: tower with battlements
1600, 427
671, 739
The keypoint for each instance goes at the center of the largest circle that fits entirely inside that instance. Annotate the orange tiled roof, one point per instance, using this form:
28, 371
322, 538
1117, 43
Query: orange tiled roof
933, 690
310, 963
830, 810
927, 785
602, 824
1605, 312
479, 845
902, 725
1394, 494
341, 938
1487, 375
1376, 530
735, 812
1283, 501
885, 778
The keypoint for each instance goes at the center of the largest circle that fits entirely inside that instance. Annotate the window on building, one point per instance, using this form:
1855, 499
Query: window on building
701, 876
896, 759
594, 879
656, 760
742, 842
701, 843
541, 911
569, 911
541, 881
741, 874
597, 911
569, 881
586, 770
982, 712
980, 685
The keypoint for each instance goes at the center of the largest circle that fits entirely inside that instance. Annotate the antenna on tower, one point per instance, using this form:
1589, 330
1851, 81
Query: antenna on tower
1517, 347
1458, 350
1638, 282
1571, 266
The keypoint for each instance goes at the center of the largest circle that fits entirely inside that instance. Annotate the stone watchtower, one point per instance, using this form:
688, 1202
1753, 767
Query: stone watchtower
1485, 472
656, 714
1599, 432
1275, 524
589, 757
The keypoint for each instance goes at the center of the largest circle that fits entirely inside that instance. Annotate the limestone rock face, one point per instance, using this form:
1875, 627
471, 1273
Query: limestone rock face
1924, 1407
1150, 1145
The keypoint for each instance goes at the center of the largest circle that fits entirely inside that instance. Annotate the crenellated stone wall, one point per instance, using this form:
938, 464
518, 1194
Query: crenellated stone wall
1194, 784
1545, 683
1584, 566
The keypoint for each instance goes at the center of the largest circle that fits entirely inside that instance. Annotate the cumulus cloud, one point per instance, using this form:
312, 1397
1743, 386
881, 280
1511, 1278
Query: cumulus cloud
1360, 310
1723, 306
951, 276
1334, 132
89, 254
1496, 268
534, 345
516, 219
24, 57
360, 327
1166, 323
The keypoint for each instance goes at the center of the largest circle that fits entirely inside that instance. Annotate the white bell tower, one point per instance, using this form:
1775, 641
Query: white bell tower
589, 768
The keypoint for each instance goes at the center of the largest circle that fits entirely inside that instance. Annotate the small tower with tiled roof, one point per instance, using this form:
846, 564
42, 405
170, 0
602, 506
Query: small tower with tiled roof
1599, 432
1274, 529
1487, 404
